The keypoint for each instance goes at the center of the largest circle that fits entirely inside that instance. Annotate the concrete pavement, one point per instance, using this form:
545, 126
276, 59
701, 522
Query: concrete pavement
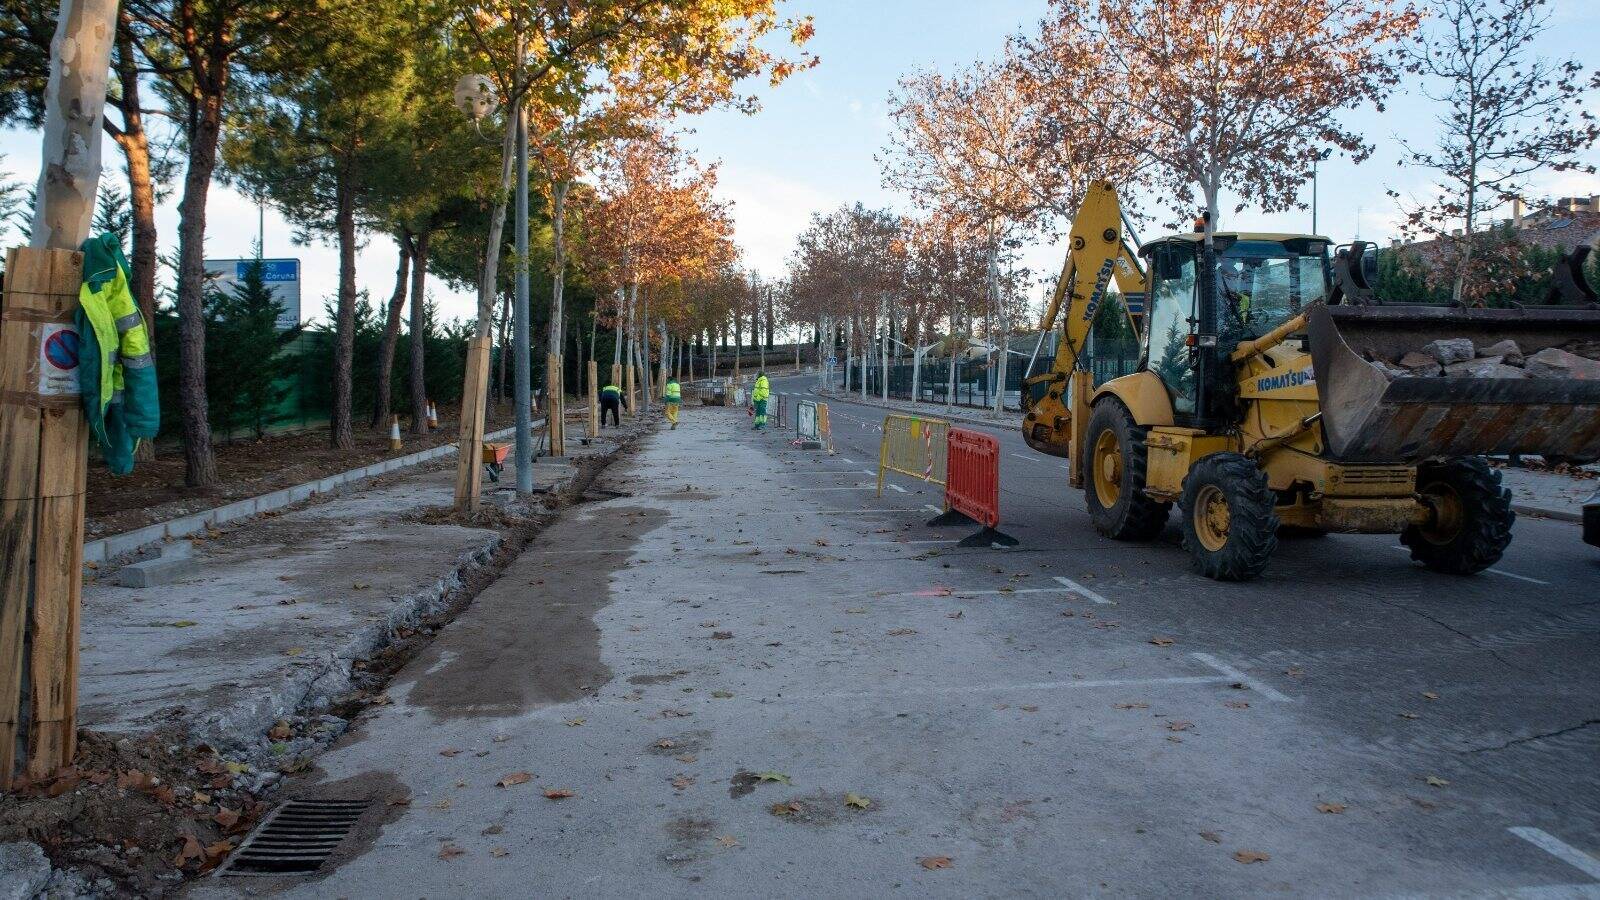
714, 662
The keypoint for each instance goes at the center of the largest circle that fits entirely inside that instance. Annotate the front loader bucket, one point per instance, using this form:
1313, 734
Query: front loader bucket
1369, 417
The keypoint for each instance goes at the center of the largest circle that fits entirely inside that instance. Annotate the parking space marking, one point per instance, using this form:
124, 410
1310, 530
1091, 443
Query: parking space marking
1026, 686
1026, 457
1085, 592
858, 487
740, 548
1561, 850
1492, 571
1256, 685
896, 487
931, 507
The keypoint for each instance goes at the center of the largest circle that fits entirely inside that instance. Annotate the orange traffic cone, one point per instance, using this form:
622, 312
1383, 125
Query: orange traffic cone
433, 415
394, 434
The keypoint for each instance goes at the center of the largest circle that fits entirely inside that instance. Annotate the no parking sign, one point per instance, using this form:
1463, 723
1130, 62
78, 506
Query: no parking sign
58, 359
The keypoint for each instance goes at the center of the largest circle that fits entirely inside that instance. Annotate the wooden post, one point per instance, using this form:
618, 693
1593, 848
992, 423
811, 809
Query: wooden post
632, 399
45, 442
469, 452
594, 400
555, 414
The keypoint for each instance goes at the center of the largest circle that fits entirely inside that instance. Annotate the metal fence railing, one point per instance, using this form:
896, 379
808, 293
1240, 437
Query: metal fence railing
974, 383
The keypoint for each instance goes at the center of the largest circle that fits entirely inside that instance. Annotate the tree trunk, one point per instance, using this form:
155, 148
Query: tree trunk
419, 333
75, 98
505, 345
200, 461
135, 144
489, 288
391, 334
344, 343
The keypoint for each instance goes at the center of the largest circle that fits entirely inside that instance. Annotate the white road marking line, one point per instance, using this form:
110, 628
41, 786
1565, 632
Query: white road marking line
1027, 457
1492, 571
859, 487
872, 472
1256, 685
847, 462
1028, 686
1083, 591
897, 488
1561, 850
931, 507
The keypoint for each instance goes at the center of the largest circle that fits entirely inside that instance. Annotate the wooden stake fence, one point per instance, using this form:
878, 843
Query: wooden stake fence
469, 454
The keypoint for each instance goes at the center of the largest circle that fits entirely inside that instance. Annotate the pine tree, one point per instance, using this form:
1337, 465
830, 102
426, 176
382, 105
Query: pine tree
246, 358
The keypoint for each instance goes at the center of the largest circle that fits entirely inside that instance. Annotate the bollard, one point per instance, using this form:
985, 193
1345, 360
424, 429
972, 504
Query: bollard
394, 434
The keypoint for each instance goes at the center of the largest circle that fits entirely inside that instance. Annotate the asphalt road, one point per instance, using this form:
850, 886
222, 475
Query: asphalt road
698, 675
1361, 640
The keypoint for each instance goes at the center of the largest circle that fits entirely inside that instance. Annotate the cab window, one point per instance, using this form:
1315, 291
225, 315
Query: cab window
1263, 283
1167, 322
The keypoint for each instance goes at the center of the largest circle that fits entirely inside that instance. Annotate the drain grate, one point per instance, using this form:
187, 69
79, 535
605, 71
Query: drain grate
294, 839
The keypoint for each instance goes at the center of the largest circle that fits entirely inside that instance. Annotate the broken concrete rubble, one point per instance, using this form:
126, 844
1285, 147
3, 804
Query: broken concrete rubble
1506, 349
1449, 350
1553, 362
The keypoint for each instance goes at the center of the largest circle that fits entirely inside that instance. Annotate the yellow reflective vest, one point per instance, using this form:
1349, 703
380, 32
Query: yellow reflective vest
674, 392
116, 369
762, 391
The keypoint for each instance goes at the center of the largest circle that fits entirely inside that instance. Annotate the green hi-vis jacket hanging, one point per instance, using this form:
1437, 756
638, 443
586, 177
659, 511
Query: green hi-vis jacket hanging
116, 371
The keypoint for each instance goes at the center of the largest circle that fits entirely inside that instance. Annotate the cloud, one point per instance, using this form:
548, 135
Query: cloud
769, 211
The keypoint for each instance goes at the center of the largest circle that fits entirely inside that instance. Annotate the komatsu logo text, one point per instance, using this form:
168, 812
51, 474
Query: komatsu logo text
1102, 279
1285, 380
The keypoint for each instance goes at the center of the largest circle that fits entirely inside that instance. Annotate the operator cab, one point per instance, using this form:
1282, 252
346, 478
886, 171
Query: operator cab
1261, 281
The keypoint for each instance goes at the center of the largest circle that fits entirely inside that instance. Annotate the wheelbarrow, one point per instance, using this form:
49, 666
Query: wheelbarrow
494, 459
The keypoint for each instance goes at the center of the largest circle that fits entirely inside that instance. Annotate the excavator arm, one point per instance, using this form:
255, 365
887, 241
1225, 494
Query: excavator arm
1055, 404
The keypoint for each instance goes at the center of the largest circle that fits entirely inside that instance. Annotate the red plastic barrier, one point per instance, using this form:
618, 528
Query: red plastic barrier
973, 487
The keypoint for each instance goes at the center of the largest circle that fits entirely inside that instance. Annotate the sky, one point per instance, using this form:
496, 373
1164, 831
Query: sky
811, 148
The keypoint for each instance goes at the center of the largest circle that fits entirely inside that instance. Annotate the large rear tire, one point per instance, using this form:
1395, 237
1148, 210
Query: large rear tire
1230, 523
1116, 461
1472, 517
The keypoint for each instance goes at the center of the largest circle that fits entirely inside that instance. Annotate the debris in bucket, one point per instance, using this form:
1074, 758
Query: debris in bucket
1458, 358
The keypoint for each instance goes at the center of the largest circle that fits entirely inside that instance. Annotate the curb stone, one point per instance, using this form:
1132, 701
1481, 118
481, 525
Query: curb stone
109, 548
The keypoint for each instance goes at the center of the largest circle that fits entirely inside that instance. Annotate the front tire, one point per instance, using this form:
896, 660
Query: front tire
1116, 461
1230, 523
1472, 517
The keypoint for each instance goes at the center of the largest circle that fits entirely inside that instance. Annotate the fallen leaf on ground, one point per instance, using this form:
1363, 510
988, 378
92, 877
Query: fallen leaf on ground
727, 840
856, 800
501, 738
686, 758
1429, 695
1237, 704
493, 829
1250, 856
451, 851
786, 809
498, 852
856, 610
515, 778
954, 615
676, 713
1029, 708
1408, 715
443, 803
1294, 672
1133, 706
683, 781
183, 624
665, 744
721, 635
1436, 781
226, 817
1211, 836
280, 731
773, 776
1161, 641
1179, 726
899, 632
935, 862
1333, 808
559, 793
191, 849
450, 751
361, 585
294, 651
722, 695
573, 722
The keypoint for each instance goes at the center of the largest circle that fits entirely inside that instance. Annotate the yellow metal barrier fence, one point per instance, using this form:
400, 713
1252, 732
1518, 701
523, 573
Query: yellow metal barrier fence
914, 446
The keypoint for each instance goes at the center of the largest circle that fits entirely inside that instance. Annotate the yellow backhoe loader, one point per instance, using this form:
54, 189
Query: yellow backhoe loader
1270, 396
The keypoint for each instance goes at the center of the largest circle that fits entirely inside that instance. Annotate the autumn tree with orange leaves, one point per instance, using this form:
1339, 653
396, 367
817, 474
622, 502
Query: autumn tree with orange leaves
1214, 95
